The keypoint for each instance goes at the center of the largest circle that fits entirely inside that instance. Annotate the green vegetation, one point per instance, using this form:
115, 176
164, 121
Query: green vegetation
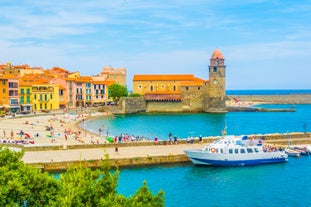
116, 91
22, 185
135, 95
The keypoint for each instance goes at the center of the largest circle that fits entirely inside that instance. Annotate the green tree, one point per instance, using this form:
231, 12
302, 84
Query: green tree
116, 91
22, 185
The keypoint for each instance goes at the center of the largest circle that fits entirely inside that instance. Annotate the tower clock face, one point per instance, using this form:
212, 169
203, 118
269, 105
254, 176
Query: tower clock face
215, 81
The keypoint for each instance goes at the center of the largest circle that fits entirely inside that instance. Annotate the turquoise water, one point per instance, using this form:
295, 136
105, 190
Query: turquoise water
184, 125
284, 184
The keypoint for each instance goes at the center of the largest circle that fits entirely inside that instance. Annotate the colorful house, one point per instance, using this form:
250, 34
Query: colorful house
9, 96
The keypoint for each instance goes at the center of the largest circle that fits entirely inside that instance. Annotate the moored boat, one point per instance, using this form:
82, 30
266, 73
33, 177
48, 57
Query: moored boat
292, 153
235, 151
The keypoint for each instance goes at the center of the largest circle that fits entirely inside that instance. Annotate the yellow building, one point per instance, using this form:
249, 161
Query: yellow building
184, 91
163, 87
26, 101
45, 96
36, 90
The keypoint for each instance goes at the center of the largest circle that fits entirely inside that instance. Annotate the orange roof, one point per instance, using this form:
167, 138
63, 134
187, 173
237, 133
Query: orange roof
171, 77
163, 97
84, 79
8, 76
217, 54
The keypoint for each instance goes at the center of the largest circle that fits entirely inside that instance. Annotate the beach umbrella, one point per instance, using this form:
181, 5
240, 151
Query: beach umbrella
109, 139
27, 135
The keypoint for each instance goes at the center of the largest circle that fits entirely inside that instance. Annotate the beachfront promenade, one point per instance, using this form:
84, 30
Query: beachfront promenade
125, 156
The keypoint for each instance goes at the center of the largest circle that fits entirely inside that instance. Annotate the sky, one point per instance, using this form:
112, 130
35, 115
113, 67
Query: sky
266, 43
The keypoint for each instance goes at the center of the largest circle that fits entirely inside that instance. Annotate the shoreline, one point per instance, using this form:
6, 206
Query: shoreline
61, 153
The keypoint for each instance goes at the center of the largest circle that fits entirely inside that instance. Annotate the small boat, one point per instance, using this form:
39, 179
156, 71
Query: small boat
292, 153
308, 149
235, 151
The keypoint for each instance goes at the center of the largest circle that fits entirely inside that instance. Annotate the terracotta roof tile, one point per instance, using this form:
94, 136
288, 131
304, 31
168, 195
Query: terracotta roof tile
171, 77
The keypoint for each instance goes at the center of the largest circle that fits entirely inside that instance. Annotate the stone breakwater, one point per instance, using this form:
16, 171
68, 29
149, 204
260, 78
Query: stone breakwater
57, 158
275, 99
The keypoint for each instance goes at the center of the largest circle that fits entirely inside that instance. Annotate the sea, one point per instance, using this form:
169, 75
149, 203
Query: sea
283, 184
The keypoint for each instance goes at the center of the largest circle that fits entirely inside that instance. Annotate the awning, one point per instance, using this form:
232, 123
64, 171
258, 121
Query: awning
163, 97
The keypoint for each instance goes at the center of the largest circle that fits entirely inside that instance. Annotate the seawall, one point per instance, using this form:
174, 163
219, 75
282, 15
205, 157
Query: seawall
134, 154
275, 99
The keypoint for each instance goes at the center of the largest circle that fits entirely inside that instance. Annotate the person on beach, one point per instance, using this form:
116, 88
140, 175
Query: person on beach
12, 134
200, 138
170, 137
4, 134
175, 139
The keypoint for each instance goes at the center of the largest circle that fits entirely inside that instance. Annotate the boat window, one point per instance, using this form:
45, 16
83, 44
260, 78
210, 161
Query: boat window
256, 150
221, 151
230, 151
249, 150
242, 150
236, 151
225, 142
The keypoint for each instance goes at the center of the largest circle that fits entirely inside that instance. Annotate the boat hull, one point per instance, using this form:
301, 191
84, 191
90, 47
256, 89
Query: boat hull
200, 157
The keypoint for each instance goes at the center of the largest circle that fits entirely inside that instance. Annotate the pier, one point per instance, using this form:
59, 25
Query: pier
57, 158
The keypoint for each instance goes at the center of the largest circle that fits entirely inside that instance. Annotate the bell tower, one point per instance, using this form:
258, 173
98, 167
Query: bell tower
214, 100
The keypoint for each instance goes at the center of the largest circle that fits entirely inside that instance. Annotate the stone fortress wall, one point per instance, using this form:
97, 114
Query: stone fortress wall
192, 103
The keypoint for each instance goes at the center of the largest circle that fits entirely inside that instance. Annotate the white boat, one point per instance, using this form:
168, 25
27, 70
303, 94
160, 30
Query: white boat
235, 151
293, 153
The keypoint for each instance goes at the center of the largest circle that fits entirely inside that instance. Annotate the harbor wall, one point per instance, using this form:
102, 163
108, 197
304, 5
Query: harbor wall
275, 99
282, 140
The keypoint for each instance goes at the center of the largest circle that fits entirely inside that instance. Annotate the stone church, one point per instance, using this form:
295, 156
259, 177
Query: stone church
185, 92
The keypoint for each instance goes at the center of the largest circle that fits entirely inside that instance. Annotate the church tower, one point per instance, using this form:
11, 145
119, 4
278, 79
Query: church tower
214, 100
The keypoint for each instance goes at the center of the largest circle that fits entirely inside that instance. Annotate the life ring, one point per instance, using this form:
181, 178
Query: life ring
213, 150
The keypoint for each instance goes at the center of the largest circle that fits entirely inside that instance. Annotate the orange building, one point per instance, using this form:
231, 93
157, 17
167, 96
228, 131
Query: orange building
9, 96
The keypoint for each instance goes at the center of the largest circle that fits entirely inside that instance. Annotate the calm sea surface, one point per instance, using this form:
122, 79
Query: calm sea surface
285, 184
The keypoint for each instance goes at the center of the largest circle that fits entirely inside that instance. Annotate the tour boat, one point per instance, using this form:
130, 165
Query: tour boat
235, 151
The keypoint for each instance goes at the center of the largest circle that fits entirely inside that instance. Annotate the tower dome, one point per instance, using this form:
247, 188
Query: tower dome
217, 54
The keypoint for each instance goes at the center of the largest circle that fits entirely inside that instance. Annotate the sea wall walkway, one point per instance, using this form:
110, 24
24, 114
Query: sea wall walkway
50, 158
281, 99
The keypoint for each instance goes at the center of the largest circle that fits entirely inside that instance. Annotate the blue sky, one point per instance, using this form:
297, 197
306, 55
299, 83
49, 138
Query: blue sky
266, 43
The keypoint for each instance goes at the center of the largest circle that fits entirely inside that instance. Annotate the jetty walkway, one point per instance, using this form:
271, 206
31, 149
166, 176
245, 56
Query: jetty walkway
57, 158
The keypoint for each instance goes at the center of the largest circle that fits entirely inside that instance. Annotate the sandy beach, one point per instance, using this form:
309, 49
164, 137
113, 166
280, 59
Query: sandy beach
47, 129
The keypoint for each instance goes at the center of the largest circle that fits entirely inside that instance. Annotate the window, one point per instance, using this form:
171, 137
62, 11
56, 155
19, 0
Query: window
236, 151
199, 88
256, 150
242, 151
249, 150
174, 88
215, 69
187, 88
51, 96
35, 96
230, 151
151, 88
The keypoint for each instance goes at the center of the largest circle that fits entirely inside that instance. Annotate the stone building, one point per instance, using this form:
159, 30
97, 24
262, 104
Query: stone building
185, 92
